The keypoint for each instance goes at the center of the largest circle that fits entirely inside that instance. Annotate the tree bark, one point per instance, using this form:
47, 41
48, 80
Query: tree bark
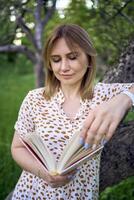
39, 71
118, 154
117, 157
124, 71
39, 27
30, 54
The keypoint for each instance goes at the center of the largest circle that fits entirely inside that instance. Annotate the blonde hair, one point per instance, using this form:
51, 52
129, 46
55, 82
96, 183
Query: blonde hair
73, 35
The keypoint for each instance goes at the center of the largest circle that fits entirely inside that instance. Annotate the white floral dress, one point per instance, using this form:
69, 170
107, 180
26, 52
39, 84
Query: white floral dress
55, 127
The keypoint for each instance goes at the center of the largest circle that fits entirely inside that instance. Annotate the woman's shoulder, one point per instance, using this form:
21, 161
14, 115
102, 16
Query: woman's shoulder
35, 94
37, 91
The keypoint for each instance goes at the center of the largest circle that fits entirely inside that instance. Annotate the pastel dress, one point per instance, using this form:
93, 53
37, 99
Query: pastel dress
50, 121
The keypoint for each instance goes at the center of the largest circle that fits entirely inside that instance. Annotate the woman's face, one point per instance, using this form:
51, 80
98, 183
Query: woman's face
68, 66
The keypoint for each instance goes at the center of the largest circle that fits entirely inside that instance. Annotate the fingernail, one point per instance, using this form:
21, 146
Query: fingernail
77, 169
81, 141
86, 146
94, 146
71, 176
104, 141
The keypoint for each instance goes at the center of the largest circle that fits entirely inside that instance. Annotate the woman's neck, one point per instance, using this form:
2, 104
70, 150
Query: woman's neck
71, 92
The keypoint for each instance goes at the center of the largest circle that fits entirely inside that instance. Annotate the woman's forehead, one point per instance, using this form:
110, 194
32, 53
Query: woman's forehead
65, 45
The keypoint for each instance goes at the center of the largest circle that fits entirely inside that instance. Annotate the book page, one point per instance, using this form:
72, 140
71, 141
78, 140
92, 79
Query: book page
80, 161
37, 157
37, 144
81, 154
72, 146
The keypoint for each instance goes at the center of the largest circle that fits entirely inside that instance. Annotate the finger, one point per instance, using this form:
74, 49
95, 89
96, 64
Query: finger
64, 178
87, 124
101, 132
98, 139
111, 130
56, 185
92, 131
56, 182
74, 171
71, 174
60, 180
89, 140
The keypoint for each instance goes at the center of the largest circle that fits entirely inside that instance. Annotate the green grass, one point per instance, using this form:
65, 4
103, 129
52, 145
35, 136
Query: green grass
16, 79
14, 85
121, 191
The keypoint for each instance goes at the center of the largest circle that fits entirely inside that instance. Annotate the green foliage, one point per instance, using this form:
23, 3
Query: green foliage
109, 23
55, 21
121, 191
22, 65
13, 87
130, 116
78, 13
10, 28
114, 23
7, 32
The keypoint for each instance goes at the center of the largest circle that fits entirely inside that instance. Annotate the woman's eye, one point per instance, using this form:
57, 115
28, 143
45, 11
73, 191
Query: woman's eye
56, 59
72, 56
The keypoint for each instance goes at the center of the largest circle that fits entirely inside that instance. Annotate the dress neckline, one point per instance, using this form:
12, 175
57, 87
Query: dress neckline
59, 99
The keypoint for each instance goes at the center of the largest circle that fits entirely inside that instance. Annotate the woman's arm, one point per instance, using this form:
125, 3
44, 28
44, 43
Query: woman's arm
103, 120
27, 162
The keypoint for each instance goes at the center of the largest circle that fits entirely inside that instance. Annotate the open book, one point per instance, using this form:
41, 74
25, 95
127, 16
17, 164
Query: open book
73, 155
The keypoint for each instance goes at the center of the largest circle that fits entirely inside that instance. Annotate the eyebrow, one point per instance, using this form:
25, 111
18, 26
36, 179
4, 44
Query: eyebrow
71, 52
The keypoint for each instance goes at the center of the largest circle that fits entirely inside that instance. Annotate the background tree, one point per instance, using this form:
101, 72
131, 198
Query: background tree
109, 23
40, 12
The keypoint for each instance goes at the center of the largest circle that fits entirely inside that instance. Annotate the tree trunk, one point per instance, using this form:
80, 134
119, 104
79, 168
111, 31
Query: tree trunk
124, 71
118, 155
39, 72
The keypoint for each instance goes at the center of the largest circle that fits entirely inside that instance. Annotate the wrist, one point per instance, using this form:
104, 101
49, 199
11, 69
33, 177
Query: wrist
129, 98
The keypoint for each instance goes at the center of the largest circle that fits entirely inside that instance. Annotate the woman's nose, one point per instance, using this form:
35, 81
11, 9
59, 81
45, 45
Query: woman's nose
64, 65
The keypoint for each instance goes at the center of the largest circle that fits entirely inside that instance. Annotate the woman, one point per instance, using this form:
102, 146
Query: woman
68, 102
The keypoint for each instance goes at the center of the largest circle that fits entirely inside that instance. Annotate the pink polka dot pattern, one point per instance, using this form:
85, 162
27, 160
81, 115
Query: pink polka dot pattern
55, 127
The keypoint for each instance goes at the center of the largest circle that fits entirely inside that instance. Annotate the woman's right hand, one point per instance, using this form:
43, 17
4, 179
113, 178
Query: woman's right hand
56, 180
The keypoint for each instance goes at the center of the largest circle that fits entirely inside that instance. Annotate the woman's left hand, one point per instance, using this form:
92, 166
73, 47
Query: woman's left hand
103, 120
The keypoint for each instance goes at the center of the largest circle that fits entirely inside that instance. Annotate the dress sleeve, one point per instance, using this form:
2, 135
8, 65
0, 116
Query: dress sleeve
112, 89
25, 121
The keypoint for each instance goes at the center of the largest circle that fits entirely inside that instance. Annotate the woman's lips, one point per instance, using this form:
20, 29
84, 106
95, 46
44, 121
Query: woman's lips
66, 75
